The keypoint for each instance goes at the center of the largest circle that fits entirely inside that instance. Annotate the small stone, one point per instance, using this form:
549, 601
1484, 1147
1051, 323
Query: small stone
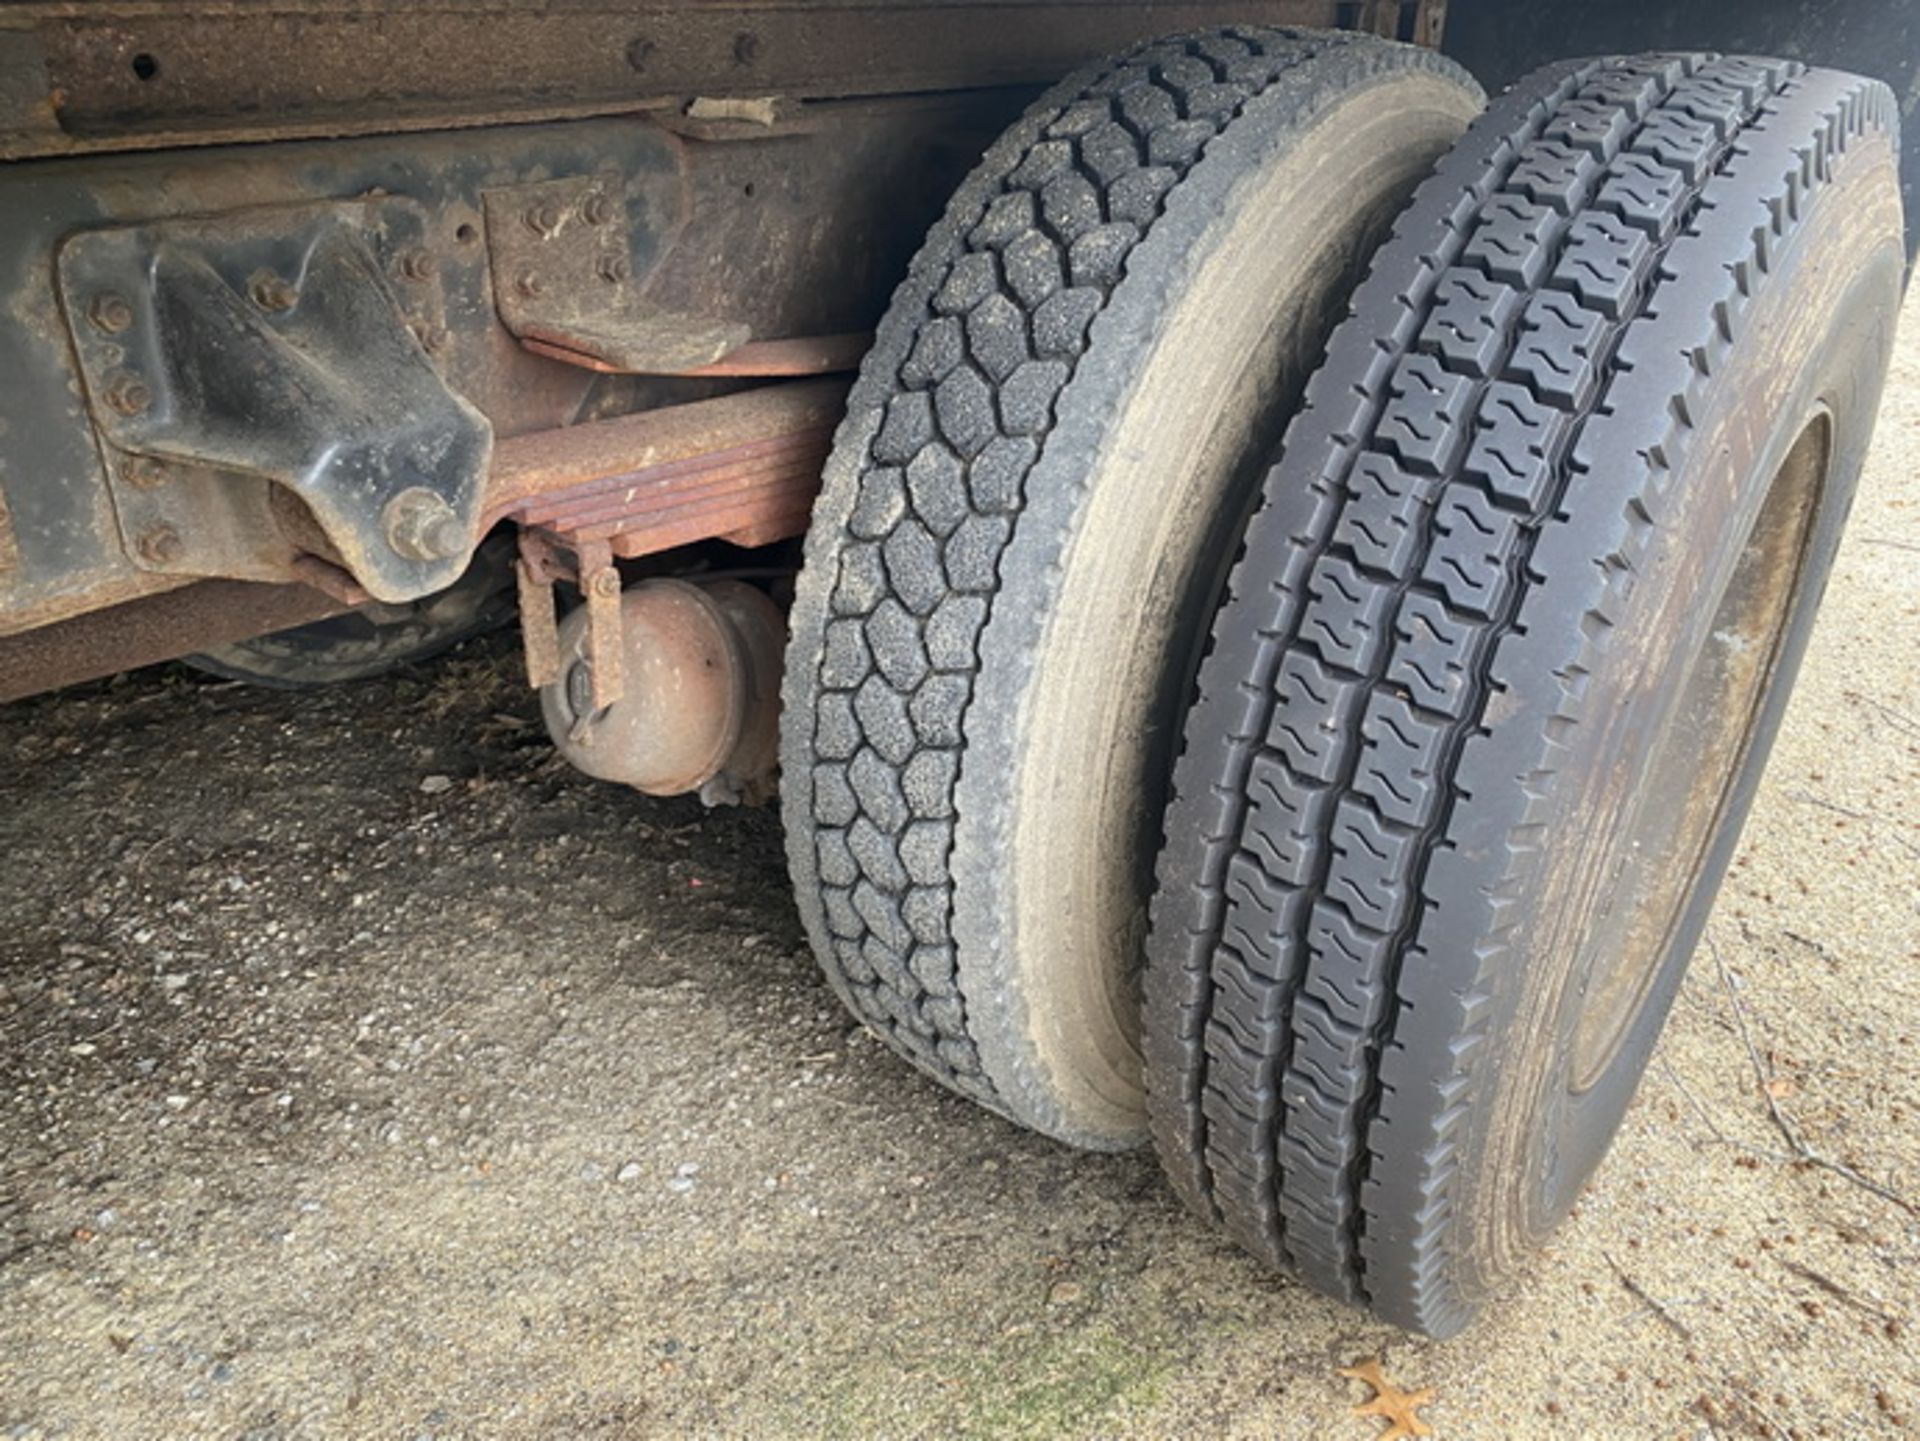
628, 1172
680, 1185
82, 1048
434, 785
177, 1102
593, 1171
1065, 1293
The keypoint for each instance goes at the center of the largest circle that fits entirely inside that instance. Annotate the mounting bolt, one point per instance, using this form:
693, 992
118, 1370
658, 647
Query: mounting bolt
128, 393
597, 209
422, 526
143, 472
432, 338
272, 292
615, 268
605, 583
159, 545
544, 217
419, 265
746, 48
639, 51
528, 283
110, 313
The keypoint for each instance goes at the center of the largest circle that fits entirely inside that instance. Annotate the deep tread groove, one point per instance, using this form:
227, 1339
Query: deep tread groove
1360, 642
986, 333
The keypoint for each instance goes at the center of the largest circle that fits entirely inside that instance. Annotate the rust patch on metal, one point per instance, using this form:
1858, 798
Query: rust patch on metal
9, 547
702, 711
600, 584
330, 580
804, 355
565, 281
126, 73
743, 468
746, 464
539, 621
141, 632
801, 355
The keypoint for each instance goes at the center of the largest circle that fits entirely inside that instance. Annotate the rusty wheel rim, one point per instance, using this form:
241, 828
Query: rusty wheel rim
1697, 757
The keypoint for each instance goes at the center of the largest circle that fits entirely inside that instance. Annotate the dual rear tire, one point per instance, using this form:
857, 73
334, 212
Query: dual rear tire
1480, 713
1054, 439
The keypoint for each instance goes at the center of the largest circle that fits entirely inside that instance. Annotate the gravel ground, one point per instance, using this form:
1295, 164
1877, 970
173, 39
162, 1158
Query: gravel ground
368, 1072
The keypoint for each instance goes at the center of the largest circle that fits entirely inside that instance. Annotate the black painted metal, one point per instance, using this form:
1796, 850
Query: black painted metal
234, 363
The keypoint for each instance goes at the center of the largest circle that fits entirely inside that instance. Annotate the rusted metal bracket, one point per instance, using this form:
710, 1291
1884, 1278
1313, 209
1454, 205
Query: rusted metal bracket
538, 568
568, 263
743, 468
264, 395
544, 561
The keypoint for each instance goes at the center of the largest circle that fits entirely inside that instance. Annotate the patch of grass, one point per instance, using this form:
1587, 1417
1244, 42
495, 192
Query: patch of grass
1042, 1381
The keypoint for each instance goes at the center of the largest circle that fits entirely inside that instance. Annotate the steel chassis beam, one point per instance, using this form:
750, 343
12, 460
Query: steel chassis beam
112, 74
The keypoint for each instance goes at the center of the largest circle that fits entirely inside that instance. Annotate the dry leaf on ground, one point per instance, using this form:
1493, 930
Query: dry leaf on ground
1401, 1409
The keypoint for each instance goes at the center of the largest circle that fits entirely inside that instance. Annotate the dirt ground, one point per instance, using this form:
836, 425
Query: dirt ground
367, 1072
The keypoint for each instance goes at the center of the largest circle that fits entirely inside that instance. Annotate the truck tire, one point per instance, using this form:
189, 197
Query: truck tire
1501, 661
1021, 530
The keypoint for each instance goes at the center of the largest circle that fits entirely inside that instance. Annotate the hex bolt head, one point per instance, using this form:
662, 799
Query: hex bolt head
528, 283
433, 338
128, 393
110, 313
272, 292
615, 268
544, 217
419, 265
606, 583
597, 210
421, 526
160, 545
143, 472
579, 689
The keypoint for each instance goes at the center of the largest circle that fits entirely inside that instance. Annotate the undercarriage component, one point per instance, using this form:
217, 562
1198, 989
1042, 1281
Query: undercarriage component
742, 468
799, 355
130, 72
699, 703
791, 234
564, 279
374, 638
152, 628
264, 395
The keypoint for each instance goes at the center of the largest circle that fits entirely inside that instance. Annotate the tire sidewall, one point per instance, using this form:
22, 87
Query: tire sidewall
1829, 295
1064, 1018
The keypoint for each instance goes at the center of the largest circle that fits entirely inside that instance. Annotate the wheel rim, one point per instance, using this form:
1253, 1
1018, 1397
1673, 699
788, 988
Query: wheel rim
1699, 753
